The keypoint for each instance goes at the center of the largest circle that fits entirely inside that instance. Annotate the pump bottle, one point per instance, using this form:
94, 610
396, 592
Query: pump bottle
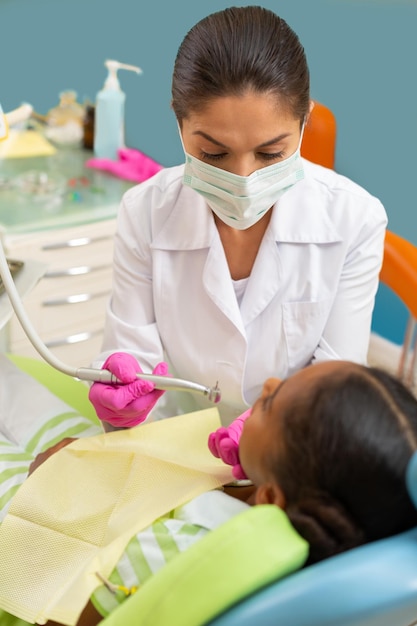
109, 114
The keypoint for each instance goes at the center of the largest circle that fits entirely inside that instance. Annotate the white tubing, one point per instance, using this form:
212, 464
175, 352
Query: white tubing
88, 373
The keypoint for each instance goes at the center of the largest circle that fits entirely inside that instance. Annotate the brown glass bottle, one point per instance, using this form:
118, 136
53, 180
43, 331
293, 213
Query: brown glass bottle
88, 125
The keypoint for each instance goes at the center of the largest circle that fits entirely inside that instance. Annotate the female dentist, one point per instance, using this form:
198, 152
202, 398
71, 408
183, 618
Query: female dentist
248, 261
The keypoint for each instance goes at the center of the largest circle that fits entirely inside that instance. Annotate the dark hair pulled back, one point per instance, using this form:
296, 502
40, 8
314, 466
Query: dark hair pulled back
342, 465
240, 49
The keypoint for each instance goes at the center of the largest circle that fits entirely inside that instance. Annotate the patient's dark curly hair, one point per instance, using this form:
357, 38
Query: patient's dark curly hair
343, 458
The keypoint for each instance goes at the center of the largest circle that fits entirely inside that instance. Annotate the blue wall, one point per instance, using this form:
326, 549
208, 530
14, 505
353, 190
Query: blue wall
362, 57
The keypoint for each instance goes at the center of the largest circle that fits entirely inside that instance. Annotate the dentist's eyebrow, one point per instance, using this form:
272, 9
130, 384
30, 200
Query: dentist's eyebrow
270, 142
275, 140
211, 139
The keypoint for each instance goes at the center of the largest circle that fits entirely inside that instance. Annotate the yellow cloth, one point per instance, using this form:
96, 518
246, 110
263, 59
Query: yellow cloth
76, 513
25, 143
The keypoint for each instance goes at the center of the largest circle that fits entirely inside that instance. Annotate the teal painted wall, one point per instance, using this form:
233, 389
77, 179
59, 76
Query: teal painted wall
362, 56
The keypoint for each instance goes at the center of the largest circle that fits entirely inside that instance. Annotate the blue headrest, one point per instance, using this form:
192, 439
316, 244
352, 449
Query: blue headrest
411, 478
372, 585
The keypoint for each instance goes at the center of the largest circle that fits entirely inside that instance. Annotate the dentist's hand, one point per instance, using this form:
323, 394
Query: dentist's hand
224, 444
128, 404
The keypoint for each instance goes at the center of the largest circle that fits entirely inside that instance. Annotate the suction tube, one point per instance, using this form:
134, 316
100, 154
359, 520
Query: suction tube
213, 394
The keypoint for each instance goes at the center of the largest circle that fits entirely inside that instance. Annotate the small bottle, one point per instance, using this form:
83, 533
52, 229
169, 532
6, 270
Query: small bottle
65, 121
109, 114
88, 135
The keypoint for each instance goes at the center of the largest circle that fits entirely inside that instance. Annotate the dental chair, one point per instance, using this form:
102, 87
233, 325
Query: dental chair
234, 579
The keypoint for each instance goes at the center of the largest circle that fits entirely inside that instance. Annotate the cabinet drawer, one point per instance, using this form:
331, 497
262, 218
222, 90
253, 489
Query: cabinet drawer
52, 321
67, 307
91, 244
78, 353
56, 288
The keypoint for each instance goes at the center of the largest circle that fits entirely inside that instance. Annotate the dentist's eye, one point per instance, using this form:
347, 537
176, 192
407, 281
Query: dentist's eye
206, 156
271, 156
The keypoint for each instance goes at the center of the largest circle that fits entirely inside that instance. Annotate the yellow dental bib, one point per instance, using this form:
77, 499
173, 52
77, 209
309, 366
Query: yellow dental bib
75, 514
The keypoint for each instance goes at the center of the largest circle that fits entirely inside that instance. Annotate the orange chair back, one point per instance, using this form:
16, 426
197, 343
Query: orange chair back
399, 273
399, 269
399, 266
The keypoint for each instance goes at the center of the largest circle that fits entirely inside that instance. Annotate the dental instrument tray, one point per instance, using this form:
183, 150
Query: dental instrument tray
14, 267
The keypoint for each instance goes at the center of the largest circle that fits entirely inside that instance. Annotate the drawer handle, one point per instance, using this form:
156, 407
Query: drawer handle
75, 299
75, 271
78, 338
74, 243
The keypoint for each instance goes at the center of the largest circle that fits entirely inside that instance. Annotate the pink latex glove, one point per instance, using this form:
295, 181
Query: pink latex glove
127, 404
131, 165
224, 444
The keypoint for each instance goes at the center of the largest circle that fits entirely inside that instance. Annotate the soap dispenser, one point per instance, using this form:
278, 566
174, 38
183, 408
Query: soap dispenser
109, 113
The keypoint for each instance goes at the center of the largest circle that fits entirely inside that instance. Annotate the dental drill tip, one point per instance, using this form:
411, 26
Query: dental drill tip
215, 394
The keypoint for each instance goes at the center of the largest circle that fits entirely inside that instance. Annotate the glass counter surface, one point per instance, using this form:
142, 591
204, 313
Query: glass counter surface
86, 195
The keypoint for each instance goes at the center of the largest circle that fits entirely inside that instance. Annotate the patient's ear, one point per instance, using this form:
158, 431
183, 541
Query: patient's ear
270, 493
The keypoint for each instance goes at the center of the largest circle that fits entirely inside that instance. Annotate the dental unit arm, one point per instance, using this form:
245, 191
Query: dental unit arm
166, 383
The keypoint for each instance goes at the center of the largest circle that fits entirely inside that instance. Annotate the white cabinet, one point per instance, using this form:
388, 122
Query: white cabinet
67, 306
75, 240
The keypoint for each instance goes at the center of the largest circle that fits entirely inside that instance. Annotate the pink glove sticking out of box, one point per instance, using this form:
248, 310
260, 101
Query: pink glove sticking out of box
131, 165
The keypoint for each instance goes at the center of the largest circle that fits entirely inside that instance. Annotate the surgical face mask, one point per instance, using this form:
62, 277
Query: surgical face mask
241, 201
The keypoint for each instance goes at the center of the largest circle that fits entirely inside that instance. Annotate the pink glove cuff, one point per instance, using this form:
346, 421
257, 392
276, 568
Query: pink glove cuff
238, 472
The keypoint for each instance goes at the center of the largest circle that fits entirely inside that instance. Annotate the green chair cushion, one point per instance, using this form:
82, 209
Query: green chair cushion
246, 553
70, 390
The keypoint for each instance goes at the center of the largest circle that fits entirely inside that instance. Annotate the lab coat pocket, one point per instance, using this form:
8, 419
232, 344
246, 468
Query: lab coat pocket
303, 323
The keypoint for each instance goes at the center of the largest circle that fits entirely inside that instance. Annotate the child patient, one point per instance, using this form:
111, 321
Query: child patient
330, 445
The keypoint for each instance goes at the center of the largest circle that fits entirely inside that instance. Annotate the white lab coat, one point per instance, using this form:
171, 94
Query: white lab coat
309, 297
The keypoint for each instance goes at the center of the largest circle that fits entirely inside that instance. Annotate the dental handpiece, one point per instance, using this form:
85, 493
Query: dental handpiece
167, 383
